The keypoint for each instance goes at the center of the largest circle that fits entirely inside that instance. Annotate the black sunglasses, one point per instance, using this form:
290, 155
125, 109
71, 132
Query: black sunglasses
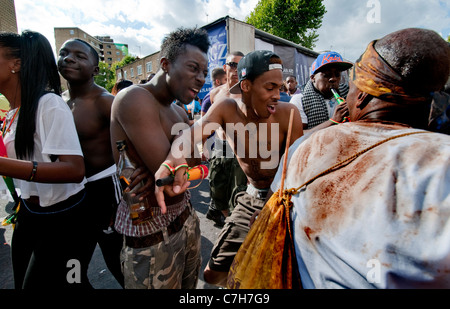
232, 65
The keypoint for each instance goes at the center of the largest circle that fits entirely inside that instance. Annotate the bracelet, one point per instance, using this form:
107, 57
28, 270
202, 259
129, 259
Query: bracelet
333, 121
173, 169
180, 166
346, 119
33, 171
169, 167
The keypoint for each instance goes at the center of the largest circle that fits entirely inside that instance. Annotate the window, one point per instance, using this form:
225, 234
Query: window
72, 32
132, 72
119, 76
139, 70
149, 67
125, 74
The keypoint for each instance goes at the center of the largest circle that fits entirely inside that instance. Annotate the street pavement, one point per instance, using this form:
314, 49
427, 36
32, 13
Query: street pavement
98, 273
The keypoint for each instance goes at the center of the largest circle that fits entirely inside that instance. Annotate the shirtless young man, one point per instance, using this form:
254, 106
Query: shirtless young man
163, 252
91, 108
259, 142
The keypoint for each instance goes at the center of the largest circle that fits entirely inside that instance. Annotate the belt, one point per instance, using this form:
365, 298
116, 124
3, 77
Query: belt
156, 238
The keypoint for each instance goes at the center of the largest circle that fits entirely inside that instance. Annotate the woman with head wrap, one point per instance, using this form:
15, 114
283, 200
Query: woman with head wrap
374, 211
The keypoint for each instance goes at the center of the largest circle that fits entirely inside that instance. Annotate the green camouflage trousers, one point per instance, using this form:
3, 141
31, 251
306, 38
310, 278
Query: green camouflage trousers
172, 264
226, 179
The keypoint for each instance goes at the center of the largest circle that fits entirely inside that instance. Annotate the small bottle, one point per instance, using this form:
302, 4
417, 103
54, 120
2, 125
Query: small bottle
140, 211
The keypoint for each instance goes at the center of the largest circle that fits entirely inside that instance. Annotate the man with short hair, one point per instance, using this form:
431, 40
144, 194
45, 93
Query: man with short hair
91, 108
317, 105
256, 128
164, 251
226, 177
218, 77
381, 217
291, 85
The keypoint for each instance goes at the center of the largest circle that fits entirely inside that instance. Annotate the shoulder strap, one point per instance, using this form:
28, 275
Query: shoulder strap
294, 191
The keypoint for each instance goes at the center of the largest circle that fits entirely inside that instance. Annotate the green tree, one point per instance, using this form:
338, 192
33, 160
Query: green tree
293, 20
126, 60
106, 76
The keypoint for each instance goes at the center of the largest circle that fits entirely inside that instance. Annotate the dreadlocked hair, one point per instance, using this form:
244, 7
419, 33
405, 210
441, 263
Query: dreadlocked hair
175, 43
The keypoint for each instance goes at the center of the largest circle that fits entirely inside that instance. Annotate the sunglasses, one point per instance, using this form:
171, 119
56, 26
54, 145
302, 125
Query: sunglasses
232, 65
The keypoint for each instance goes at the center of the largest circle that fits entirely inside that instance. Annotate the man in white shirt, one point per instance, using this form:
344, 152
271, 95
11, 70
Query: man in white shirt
316, 103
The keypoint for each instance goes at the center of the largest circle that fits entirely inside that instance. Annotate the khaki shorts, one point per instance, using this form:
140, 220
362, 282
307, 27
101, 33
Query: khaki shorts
234, 232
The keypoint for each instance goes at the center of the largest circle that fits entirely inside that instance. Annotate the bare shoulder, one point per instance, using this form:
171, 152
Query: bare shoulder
219, 92
225, 110
282, 116
225, 103
133, 95
180, 111
103, 101
283, 113
285, 108
137, 105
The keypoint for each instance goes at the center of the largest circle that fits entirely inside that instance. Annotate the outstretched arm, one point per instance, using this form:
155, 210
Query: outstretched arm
183, 147
175, 164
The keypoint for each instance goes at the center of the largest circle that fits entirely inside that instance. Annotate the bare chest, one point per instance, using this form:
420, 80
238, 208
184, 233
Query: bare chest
88, 119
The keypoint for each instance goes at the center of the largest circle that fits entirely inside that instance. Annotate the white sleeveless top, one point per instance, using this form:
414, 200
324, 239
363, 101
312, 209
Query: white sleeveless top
55, 135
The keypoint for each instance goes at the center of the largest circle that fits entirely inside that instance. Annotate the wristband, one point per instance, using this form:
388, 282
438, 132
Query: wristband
174, 169
33, 171
346, 119
169, 167
333, 121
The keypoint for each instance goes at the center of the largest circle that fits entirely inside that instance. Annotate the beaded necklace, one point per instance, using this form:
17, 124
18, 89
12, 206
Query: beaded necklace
6, 130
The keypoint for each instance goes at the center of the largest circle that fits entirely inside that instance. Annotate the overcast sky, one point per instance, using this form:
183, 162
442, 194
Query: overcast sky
348, 26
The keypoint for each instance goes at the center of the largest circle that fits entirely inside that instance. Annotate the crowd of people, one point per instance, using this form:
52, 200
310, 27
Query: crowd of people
374, 153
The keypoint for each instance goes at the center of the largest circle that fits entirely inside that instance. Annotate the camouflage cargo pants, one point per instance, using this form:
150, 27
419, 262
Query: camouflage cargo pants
172, 264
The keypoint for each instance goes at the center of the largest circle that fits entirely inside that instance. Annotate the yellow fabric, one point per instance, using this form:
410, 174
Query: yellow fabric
265, 260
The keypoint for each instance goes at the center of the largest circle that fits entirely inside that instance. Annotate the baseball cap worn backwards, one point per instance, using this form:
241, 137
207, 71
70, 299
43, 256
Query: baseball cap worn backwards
254, 64
327, 59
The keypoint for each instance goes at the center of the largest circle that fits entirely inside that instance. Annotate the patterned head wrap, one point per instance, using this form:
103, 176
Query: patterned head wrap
373, 75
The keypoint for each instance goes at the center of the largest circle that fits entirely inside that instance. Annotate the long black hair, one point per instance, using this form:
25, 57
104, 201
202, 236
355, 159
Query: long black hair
38, 76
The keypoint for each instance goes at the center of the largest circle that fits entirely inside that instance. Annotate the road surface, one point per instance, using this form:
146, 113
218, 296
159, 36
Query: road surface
99, 275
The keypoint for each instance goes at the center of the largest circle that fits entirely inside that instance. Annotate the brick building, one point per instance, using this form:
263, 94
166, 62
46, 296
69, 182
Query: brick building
107, 49
140, 69
8, 21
